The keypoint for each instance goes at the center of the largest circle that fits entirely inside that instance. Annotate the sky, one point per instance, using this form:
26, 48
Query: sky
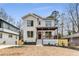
17, 10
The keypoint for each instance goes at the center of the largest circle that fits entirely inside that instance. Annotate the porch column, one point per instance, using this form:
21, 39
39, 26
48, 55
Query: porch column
42, 34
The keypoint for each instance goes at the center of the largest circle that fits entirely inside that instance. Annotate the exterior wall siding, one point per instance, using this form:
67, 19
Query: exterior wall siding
25, 29
7, 39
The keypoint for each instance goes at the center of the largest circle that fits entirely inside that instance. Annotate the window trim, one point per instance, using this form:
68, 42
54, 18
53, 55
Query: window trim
30, 23
30, 34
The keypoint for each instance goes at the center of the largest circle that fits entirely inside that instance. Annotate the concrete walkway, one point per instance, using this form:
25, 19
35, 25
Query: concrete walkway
6, 46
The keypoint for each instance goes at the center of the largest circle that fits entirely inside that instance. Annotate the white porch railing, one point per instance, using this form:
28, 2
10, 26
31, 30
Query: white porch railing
50, 41
47, 41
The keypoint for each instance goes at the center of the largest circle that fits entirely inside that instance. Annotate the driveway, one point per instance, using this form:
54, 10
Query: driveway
32, 50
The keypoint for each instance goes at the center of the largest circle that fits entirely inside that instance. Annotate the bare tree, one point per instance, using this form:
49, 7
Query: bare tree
74, 16
19, 25
56, 15
6, 17
68, 29
3, 14
77, 15
62, 24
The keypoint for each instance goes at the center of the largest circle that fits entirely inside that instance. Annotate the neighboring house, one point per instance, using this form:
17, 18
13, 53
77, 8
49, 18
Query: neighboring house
8, 33
39, 30
73, 39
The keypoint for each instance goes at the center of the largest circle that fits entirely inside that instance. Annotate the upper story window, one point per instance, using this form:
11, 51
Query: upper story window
48, 23
29, 22
39, 23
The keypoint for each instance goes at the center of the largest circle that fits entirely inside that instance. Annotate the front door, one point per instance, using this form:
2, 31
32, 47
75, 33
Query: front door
39, 39
39, 35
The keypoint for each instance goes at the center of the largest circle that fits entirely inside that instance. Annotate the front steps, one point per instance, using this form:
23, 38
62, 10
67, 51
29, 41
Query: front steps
39, 42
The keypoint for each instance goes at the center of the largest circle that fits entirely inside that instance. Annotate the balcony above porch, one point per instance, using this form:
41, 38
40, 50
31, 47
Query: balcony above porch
46, 28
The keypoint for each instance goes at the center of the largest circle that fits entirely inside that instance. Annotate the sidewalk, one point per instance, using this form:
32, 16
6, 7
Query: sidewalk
6, 46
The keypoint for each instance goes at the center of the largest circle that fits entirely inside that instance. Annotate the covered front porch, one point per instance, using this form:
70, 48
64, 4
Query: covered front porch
46, 35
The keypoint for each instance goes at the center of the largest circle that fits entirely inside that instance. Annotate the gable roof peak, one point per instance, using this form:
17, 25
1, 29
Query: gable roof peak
32, 14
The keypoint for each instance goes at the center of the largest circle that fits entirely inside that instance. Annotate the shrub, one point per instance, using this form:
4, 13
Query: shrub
49, 43
4, 42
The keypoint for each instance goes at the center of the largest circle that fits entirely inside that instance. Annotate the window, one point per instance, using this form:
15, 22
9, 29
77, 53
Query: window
0, 24
10, 35
16, 37
29, 22
0, 35
39, 23
48, 34
30, 34
8, 26
48, 23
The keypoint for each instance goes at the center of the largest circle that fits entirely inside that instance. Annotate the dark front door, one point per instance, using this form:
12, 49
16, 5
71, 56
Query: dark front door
39, 35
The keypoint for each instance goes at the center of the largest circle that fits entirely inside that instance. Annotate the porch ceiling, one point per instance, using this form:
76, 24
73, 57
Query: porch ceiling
46, 28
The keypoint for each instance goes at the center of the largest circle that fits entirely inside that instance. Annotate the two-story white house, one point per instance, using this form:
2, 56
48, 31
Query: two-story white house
37, 29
